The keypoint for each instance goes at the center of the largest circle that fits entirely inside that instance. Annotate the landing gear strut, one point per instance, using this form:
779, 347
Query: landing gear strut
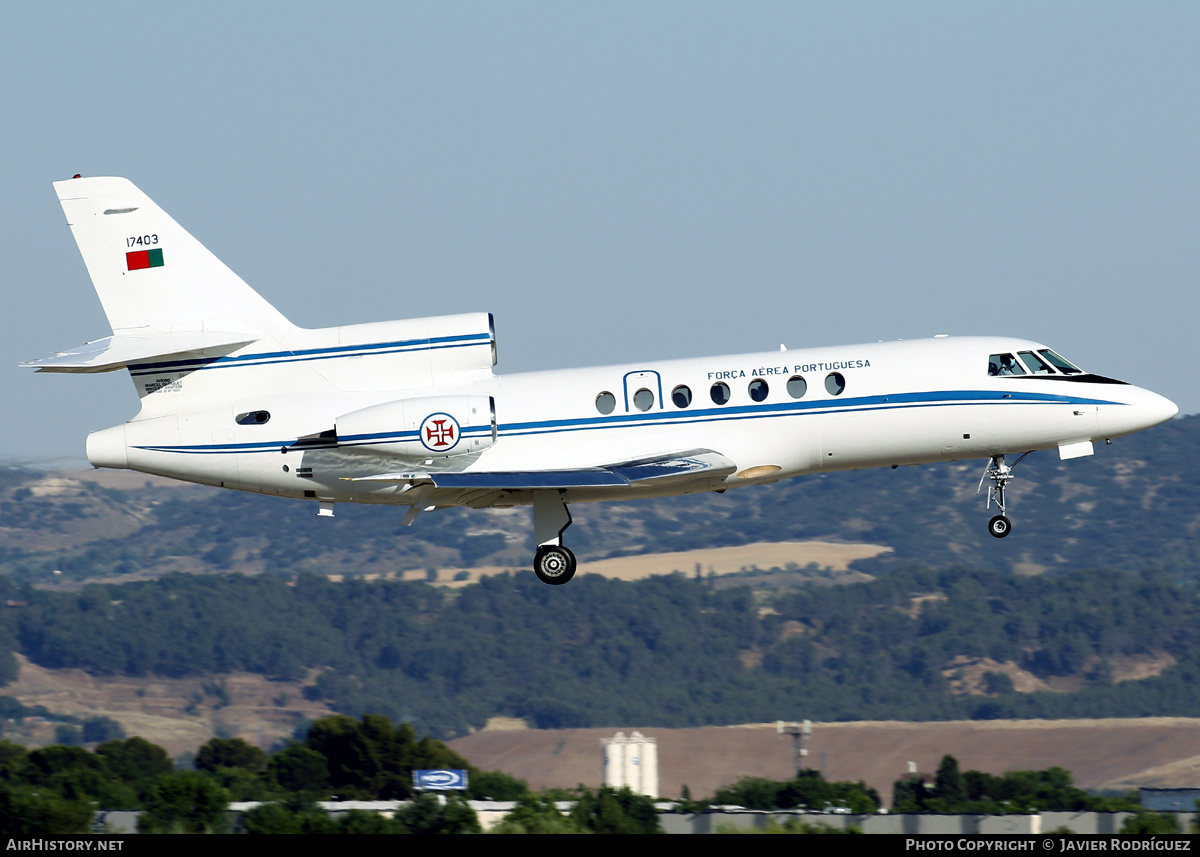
1000, 474
553, 563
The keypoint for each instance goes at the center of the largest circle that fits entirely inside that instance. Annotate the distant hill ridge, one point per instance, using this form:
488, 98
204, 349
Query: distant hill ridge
1132, 503
1089, 609
913, 644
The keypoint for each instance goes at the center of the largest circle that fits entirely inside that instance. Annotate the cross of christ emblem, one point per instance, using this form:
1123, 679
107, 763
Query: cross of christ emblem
438, 429
440, 432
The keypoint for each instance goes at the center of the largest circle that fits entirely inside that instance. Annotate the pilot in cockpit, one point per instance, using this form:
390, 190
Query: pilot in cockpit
1004, 364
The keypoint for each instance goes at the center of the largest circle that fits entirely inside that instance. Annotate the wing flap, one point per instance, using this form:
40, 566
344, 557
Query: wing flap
676, 467
511, 480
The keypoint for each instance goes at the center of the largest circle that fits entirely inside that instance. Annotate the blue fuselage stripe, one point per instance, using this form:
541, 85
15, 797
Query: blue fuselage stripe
272, 358
902, 401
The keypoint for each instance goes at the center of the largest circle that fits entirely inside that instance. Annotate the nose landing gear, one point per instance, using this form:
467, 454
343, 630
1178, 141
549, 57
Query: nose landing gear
1000, 474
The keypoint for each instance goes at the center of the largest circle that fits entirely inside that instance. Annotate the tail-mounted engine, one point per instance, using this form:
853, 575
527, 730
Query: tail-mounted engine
425, 427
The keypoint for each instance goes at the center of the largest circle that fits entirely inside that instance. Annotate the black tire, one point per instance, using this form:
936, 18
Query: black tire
554, 564
999, 526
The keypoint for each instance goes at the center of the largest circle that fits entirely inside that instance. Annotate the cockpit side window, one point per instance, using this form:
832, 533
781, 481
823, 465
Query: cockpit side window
1004, 364
1036, 365
1059, 363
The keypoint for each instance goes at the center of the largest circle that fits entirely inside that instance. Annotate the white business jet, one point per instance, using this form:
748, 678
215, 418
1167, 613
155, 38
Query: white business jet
410, 413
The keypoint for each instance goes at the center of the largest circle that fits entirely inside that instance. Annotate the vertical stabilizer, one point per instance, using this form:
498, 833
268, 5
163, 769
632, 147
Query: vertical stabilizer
151, 275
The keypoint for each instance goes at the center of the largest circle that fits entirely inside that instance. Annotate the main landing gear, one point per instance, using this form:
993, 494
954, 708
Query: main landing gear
1000, 474
553, 563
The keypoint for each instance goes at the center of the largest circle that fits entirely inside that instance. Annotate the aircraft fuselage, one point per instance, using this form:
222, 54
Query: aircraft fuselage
908, 402
411, 413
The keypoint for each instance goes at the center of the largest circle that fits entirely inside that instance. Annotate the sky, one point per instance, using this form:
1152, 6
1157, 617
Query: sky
620, 182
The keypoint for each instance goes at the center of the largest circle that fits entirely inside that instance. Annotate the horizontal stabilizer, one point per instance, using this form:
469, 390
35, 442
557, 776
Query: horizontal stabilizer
116, 352
673, 468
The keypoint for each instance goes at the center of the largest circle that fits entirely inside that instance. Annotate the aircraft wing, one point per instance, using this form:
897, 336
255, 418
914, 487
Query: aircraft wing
116, 352
672, 468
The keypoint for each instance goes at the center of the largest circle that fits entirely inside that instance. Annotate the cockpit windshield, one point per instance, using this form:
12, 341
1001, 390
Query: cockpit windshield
1030, 363
1036, 365
1061, 364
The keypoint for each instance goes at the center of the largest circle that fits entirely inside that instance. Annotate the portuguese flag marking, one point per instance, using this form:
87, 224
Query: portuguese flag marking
139, 259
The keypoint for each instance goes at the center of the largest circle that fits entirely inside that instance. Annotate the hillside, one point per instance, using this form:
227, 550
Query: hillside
871, 595
1134, 502
178, 714
1161, 751
914, 644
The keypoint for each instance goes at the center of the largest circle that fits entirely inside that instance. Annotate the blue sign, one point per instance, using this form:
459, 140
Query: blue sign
440, 780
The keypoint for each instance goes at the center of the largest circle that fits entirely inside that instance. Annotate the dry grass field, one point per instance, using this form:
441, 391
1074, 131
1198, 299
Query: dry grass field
178, 714
719, 561
181, 714
1100, 754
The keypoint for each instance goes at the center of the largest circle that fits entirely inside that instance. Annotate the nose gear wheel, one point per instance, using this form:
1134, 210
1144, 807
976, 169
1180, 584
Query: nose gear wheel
1000, 474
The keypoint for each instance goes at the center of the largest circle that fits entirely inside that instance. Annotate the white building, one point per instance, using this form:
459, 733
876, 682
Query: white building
632, 762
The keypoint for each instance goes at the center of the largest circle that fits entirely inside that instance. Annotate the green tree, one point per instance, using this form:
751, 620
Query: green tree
809, 790
242, 784
294, 818
495, 785
949, 785
297, 769
184, 802
908, 795
536, 813
77, 774
610, 810
99, 729
135, 762
997, 683
9, 667
238, 766
68, 735
360, 821
25, 813
751, 793
1147, 823
230, 753
1015, 791
429, 814
12, 760
374, 758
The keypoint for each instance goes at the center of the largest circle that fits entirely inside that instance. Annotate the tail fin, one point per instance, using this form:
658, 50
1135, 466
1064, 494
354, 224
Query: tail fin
152, 276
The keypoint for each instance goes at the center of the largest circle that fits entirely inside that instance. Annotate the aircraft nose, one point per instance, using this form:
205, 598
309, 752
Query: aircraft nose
1160, 410
1142, 410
